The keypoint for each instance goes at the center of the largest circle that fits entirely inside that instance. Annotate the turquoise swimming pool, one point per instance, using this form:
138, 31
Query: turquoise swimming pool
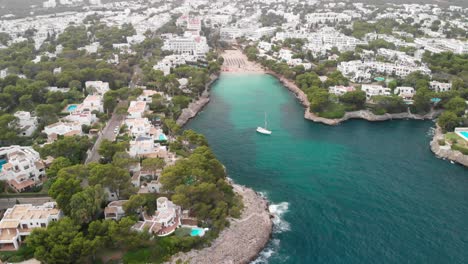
197, 232
464, 134
162, 137
2, 161
71, 108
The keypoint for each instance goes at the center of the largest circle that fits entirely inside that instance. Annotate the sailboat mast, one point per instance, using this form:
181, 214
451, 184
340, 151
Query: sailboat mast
265, 120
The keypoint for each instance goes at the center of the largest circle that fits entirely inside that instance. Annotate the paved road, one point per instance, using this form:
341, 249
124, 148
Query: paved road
10, 202
107, 133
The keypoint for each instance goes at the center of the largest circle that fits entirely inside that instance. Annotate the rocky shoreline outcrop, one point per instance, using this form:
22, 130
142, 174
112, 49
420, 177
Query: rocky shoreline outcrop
195, 107
243, 240
369, 116
361, 114
445, 152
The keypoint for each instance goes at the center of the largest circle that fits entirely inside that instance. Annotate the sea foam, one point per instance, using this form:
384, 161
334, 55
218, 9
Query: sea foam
278, 210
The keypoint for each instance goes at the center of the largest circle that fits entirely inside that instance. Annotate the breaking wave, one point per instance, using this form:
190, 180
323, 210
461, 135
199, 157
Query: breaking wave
279, 226
278, 210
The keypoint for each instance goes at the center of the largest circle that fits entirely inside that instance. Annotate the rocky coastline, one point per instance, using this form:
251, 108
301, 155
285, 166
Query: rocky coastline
196, 106
445, 152
243, 240
361, 114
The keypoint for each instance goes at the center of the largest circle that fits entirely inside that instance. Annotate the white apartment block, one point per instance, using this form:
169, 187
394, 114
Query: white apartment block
374, 90
65, 129
18, 222
26, 123
255, 33
230, 33
97, 87
21, 167
439, 86
187, 44
314, 18
340, 89
351, 67
438, 45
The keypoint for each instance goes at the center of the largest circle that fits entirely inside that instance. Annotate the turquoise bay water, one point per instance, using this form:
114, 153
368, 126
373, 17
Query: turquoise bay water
359, 192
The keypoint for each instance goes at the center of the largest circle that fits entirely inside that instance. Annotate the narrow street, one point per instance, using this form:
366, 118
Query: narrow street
107, 133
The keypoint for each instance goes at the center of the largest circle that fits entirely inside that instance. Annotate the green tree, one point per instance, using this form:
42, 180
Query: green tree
86, 205
73, 148
68, 183
355, 100
456, 105
61, 242
422, 100
58, 164
116, 179
108, 149
448, 121
318, 100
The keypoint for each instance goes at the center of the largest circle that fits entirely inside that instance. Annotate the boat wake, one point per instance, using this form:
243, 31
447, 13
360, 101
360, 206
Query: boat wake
279, 226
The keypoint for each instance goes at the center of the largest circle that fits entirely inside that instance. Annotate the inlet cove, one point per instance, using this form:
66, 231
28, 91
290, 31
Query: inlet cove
360, 192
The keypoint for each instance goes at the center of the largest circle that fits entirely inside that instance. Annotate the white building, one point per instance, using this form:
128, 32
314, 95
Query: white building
340, 89
65, 129
187, 44
97, 87
405, 92
137, 109
314, 18
91, 103
18, 222
147, 95
165, 220
374, 90
172, 61
351, 68
82, 117
26, 123
91, 48
114, 210
21, 167
439, 86
438, 45
140, 127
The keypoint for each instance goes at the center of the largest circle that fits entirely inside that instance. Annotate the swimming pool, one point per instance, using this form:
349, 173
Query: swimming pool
162, 137
464, 134
197, 232
2, 161
71, 108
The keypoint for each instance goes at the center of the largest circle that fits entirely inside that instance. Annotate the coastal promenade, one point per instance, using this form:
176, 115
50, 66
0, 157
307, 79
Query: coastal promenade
242, 241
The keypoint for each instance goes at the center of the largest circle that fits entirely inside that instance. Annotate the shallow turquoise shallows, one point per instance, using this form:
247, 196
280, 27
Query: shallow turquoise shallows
359, 192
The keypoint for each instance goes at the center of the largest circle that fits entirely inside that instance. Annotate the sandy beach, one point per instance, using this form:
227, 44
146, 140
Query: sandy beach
236, 62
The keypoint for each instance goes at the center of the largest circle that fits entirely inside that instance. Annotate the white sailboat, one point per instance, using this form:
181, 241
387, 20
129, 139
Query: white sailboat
264, 130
